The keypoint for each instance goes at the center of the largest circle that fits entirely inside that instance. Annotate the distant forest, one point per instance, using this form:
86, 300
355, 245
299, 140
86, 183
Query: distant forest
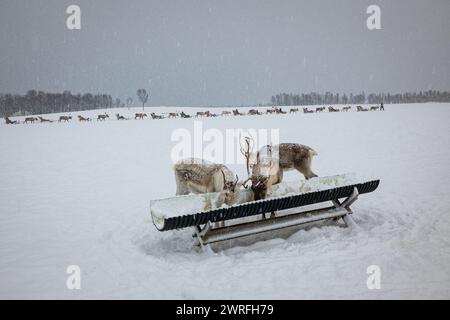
39, 102
313, 98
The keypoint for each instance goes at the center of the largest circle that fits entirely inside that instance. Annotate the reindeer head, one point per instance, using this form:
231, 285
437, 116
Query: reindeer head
230, 185
260, 185
263, 172
230, 194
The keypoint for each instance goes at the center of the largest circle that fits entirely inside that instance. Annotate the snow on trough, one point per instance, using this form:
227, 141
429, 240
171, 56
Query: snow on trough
195, 203
78, 194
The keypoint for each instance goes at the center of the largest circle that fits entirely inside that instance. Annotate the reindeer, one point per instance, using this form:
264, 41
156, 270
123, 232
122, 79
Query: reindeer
270, 111
209, 114
140, 116
65, 118
346, 109
279, 111
199, 176
9, 121
173, 115
320, 109
254, 112
331, 109
266, 167
200, 114
293, 110
44, 120
102, 117
226, 113
119, 117
184, 115
155, 116
360, 109
306, 110
374, 108
30, 119
237, 113
83, 119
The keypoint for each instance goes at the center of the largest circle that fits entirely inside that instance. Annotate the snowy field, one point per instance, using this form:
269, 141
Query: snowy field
78, 194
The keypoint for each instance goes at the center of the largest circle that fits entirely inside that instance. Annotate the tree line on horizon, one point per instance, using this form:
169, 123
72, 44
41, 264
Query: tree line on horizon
40, 102
314, 98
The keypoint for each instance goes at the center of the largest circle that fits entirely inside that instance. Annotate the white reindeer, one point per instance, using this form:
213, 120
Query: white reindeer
199, 176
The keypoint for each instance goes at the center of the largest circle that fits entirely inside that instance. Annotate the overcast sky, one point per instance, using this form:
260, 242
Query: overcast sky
209, 52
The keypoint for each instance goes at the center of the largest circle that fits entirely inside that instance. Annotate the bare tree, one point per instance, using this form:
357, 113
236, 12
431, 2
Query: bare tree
129, 102
143, 96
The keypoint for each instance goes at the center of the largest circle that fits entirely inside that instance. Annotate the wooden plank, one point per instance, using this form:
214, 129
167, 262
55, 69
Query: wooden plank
261, 226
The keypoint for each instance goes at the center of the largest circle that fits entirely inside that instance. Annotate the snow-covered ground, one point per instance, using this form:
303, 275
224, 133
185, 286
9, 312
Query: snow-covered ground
78, 194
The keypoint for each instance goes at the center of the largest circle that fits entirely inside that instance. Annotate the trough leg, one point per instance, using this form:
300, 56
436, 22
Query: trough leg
349, 221
346, 204
199, 233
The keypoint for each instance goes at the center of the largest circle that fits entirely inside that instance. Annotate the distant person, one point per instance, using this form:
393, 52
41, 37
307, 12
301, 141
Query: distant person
382, 107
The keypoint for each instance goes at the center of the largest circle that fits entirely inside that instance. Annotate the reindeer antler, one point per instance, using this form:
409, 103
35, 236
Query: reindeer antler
247, 150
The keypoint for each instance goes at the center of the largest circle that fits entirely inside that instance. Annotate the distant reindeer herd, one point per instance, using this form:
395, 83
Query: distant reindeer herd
199, 114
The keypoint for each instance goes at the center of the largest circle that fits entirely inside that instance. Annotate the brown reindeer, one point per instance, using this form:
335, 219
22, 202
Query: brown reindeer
209, 114
254, 112
119, 117
331, 109
140, 116
293, 110
279, 111
44, 120
155, 116
102, 117
30, 119
361, 109
320, 109
374, 108
9, 121
65, 118
346, 109
173, 115
83, 119
266, 168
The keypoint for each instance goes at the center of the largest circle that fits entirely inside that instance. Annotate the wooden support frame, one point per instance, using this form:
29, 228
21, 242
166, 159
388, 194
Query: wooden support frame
206, 235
